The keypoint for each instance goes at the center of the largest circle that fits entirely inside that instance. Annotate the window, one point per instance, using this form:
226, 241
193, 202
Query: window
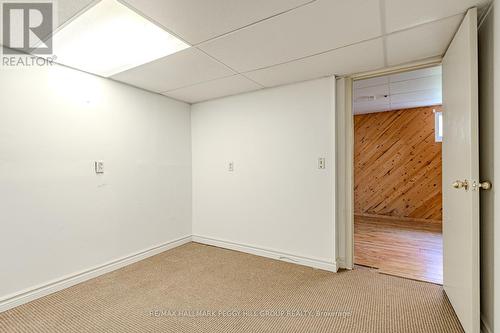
438, 127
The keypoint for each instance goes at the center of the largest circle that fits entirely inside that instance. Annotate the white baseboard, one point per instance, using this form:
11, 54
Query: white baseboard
26, 296
315, 263
484, 326
31, 294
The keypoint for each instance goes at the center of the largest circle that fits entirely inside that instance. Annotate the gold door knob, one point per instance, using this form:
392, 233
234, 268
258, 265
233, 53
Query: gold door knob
458, 184
481, 185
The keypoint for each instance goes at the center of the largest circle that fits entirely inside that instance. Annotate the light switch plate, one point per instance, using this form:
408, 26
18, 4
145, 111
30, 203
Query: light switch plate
321, 163
230, 166
99, 166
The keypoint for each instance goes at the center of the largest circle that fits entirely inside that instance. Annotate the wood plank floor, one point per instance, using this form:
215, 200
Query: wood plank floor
408, 249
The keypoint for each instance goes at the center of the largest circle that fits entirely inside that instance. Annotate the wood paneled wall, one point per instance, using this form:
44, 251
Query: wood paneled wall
398, 164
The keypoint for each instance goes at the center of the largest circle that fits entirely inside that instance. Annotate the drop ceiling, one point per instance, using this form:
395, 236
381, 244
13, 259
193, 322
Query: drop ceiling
239, 45
418, 88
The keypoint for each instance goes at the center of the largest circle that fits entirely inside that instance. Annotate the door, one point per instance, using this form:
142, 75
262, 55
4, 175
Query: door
460, 174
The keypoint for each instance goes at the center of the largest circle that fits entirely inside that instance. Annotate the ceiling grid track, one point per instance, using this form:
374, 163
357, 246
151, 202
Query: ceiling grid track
383, 25
256, 22
261, 45
230, 68
353, 44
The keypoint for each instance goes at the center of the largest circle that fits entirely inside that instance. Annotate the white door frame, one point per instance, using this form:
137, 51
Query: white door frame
345, 156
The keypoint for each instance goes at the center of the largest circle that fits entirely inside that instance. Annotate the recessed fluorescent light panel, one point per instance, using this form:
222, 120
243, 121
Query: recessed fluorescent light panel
110, 38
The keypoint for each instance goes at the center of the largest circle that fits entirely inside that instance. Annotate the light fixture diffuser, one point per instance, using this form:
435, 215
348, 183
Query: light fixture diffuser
110, 38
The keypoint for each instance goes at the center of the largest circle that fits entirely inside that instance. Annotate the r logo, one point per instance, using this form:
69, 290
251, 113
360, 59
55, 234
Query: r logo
27, 27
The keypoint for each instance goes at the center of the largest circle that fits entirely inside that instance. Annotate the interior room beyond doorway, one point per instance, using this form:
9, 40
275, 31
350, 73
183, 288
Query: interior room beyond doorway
397, 174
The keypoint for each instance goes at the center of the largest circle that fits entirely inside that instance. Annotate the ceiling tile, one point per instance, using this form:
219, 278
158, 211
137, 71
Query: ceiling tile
197, 21
232, 85
376, 81
66, 9
422, 42
423, 83
402, 14
178, 70
347, 60
320, 26
419, 73
417, 88
423, 95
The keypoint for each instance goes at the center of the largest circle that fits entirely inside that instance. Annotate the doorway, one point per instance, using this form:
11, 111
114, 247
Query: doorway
460, 177
398, 132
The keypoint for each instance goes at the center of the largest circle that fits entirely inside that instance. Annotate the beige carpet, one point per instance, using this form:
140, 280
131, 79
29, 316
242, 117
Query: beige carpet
198, 288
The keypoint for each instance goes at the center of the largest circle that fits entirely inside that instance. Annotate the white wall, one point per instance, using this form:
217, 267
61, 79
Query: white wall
276, 199
58, 217
490, 166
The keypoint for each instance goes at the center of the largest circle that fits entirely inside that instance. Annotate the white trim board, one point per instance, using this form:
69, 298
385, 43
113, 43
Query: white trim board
70, 280
268, 253
67, 281
344, 189
345, 153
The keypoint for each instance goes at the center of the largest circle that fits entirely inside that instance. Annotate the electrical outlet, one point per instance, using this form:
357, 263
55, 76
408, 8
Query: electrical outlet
99, 166
230, 166
321, 163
